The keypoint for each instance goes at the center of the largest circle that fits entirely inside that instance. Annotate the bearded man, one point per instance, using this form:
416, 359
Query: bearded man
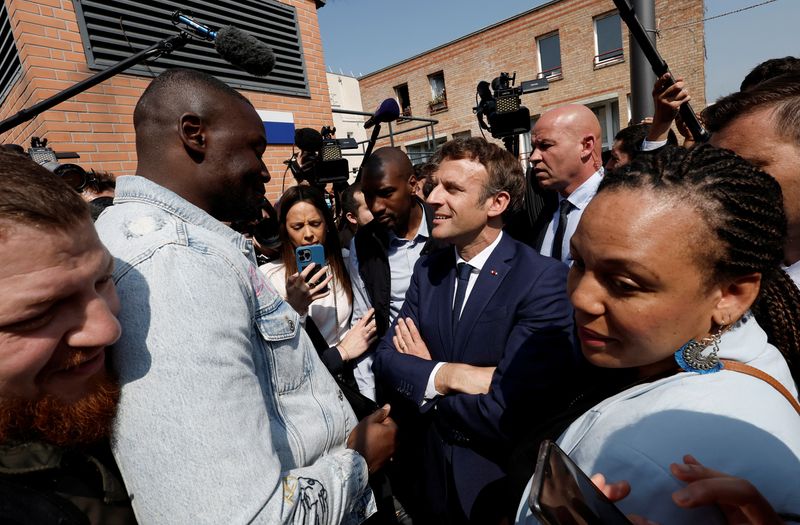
57, 319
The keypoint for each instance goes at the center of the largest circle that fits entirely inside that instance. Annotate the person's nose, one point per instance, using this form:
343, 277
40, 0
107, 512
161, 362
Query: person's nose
585, 293
435, 197
377, 206
97, 324
265, 176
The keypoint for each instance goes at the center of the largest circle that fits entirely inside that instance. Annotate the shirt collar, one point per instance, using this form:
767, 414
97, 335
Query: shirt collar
480, 259
133, 188
583, 195
422, 232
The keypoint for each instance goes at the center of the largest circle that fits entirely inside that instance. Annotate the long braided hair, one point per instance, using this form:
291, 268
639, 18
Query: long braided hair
743, 208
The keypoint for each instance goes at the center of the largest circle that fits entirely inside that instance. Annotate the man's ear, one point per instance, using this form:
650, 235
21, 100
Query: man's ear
412, 183
588, 144
193, 133
498, 203
351, 218
736, 297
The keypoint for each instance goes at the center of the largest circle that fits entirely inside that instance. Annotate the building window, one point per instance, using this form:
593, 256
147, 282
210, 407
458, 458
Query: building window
403, 100
10, 67
438, 93
608, 39
607, 113
113, 30
423, 151
462, 134
549, 56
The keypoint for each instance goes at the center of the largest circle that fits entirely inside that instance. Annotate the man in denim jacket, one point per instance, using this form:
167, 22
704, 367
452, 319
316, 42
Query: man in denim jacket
226, 415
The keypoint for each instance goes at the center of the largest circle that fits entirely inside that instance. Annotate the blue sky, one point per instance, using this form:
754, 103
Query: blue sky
360, 36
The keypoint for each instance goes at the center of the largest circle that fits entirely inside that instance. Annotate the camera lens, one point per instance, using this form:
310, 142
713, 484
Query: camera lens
73, 175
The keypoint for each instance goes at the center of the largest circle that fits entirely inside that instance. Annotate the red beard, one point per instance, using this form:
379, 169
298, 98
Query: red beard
61, 423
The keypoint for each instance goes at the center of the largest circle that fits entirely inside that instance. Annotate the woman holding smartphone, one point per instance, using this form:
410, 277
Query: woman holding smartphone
678, 279
322, 293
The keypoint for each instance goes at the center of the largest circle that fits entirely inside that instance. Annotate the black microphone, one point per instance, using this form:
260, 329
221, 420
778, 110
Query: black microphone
388, 111
233, 45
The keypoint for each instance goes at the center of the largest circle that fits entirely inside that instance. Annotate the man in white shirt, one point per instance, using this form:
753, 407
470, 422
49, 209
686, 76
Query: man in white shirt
485, 329
567, 158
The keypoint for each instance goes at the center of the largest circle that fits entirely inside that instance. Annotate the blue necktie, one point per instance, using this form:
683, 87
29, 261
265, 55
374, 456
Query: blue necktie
464, 270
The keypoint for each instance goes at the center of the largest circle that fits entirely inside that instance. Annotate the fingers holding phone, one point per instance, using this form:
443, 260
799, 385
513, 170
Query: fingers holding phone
317, 280
300, 293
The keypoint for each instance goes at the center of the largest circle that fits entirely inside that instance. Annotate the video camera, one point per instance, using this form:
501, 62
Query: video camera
75, 176
320, 160
503, 109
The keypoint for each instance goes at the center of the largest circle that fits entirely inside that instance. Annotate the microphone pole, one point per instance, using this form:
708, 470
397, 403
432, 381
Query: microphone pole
659, 66
164, 47
376, 131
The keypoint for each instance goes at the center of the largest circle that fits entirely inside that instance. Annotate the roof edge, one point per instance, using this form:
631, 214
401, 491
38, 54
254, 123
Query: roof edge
469, 35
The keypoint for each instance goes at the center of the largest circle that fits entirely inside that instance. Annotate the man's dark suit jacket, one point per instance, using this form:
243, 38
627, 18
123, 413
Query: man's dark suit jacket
517, 318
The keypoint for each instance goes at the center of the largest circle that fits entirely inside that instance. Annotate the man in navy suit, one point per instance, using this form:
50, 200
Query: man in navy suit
484, 334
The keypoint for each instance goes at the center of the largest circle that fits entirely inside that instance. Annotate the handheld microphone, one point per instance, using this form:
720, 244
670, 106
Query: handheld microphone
388, 111
233, 45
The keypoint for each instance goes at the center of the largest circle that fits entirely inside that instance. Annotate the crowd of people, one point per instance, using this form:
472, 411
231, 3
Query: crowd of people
173, 363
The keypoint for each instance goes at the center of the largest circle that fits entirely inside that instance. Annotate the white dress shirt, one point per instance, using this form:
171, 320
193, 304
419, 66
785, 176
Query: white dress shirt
580, 198
476, 263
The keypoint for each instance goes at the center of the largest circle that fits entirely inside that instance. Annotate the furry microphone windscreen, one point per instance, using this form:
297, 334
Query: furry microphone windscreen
308, 139
244, 51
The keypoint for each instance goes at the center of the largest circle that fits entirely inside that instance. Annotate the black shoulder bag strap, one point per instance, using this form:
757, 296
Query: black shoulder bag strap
361, 404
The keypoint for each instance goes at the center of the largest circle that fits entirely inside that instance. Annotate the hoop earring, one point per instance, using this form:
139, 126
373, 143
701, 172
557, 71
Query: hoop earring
690, 357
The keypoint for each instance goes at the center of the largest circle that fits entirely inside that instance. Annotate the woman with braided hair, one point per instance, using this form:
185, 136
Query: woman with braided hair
677, 278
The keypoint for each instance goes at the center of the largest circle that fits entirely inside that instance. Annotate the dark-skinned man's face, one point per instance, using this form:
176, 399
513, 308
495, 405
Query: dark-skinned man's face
235, 146
389, 194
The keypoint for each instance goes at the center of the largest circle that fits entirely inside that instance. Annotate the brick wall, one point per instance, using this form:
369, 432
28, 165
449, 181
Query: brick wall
98, 124
512, 47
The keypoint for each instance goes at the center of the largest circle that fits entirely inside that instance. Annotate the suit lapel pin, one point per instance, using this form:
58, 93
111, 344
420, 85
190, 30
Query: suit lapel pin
493, 272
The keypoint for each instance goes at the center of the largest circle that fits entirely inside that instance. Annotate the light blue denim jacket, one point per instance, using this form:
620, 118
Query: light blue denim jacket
227, 415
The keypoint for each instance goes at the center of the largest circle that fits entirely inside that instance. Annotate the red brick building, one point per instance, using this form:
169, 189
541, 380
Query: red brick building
580, 45
61, 42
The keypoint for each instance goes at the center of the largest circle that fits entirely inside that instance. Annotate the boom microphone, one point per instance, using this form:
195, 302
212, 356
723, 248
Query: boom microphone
388, 111
233, 45
199, 29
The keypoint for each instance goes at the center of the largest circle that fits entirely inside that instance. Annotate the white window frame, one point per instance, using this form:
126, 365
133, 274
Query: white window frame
425, 155
552, 75
610, 126
611, 60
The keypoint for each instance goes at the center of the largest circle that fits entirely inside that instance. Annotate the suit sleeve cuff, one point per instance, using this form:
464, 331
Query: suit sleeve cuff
430, 388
